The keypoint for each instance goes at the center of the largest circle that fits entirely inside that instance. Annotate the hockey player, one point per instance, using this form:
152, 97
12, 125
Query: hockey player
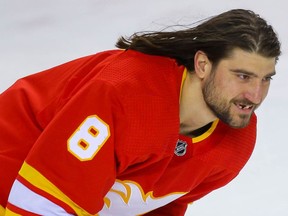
141, 130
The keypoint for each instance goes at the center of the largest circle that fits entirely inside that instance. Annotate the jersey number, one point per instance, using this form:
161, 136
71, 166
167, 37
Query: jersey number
88, 139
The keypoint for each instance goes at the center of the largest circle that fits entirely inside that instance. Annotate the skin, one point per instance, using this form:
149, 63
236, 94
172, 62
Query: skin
232, 91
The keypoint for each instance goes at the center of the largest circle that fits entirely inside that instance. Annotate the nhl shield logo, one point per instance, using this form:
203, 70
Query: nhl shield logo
181, 148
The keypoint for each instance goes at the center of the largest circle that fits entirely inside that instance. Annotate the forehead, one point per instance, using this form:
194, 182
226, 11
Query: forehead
249, 61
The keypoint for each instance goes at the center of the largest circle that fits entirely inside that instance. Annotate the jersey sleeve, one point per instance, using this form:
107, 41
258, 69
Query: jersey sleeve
72, 165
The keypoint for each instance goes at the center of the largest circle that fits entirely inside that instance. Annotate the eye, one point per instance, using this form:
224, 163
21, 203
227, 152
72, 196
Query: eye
267, 79
243, 76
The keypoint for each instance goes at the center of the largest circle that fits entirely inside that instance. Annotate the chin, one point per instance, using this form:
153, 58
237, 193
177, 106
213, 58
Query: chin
239, 124
237, 121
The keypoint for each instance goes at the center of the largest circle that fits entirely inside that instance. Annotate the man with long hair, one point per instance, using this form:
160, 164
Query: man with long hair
145, 129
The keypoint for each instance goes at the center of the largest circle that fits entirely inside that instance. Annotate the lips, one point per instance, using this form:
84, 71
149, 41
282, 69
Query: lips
244, 106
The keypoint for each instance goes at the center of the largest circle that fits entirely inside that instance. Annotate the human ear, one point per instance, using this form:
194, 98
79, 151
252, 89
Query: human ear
202, 64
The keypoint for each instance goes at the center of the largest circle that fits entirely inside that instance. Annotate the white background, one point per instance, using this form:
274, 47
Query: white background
36, 35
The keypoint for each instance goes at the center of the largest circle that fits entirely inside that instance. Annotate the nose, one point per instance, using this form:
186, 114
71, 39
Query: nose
256, 92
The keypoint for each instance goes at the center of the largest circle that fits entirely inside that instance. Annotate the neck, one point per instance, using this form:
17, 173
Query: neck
194, 112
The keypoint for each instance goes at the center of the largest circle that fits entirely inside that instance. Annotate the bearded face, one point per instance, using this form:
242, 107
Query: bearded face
237, 86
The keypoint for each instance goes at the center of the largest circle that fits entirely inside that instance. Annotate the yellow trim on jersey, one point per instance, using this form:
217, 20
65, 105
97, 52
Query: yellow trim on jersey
182, 82
207, 133
10, 213
2, 211
38, 180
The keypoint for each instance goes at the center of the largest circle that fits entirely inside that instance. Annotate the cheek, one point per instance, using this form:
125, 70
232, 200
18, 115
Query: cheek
226, 87
265, 91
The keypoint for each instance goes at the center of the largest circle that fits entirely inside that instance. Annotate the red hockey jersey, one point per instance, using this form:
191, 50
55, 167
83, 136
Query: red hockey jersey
100, 136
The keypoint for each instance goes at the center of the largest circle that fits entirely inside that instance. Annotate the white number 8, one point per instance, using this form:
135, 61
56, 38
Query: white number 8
88, 139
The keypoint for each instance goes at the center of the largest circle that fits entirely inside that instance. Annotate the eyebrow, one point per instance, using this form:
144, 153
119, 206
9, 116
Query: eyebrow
251, 73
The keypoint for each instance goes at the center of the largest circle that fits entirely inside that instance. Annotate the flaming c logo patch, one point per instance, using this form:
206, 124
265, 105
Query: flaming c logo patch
128, 198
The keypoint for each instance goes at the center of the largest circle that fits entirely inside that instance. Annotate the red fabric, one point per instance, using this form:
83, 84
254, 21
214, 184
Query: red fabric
137, 96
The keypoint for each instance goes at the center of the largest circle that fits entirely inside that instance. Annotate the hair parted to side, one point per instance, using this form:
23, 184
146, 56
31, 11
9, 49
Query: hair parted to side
217, 37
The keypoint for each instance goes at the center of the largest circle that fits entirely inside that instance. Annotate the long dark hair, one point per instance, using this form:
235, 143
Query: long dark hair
216, 37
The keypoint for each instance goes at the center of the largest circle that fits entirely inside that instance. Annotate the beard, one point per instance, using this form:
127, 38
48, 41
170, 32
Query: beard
222, 107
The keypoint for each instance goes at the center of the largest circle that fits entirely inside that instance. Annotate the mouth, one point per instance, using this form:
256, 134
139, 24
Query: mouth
244, 107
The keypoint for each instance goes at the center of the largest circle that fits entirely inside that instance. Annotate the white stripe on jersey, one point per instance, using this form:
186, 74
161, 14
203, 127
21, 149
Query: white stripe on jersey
24, 198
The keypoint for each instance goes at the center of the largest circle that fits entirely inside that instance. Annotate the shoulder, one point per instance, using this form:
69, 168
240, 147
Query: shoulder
133, 72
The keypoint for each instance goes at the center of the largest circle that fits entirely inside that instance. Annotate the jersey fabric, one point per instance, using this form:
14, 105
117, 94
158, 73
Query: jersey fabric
100, 136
